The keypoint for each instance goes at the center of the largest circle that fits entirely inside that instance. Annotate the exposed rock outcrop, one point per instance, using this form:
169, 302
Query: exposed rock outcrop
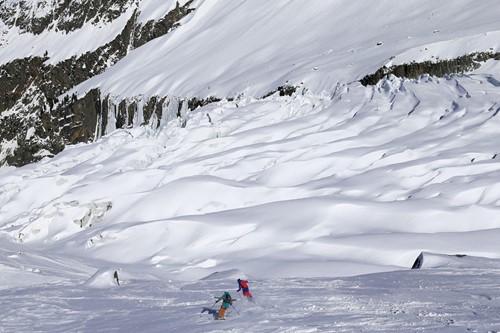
31, 114
440, 68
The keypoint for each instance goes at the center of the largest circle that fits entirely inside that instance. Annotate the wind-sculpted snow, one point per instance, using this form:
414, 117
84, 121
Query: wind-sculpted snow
358, 181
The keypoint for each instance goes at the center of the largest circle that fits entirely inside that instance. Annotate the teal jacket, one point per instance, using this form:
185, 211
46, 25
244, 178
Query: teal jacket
226, 300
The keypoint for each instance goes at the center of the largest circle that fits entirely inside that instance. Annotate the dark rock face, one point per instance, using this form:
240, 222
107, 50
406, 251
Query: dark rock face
16, 77
285, 90
195, 103
36, 120
440, 68
155, 29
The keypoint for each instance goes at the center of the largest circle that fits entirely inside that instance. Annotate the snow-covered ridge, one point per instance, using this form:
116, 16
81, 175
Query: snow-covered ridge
449, 49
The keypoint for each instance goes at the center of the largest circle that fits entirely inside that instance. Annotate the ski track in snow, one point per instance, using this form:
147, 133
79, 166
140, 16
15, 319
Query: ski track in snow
438, 300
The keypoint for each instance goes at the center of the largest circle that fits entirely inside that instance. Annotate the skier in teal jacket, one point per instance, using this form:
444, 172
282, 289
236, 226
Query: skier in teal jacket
226, 302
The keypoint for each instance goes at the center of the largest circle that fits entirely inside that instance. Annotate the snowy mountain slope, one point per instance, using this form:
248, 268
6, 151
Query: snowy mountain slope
201, 49
255, 46
323, 198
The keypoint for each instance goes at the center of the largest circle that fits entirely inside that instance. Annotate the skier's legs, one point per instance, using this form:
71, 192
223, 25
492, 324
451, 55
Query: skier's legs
222, 310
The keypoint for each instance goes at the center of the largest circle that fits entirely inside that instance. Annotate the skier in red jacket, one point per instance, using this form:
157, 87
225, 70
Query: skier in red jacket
243, 284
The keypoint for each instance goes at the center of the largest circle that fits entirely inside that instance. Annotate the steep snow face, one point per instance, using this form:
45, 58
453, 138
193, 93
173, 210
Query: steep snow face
358, 181
227, 48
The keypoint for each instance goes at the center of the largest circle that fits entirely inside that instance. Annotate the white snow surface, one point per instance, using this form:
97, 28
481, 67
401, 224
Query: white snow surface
322, 199
228, 48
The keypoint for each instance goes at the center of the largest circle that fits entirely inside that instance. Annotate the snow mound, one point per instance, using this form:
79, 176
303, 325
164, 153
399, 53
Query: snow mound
434, 260
223, 275
219, 281
103, 278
